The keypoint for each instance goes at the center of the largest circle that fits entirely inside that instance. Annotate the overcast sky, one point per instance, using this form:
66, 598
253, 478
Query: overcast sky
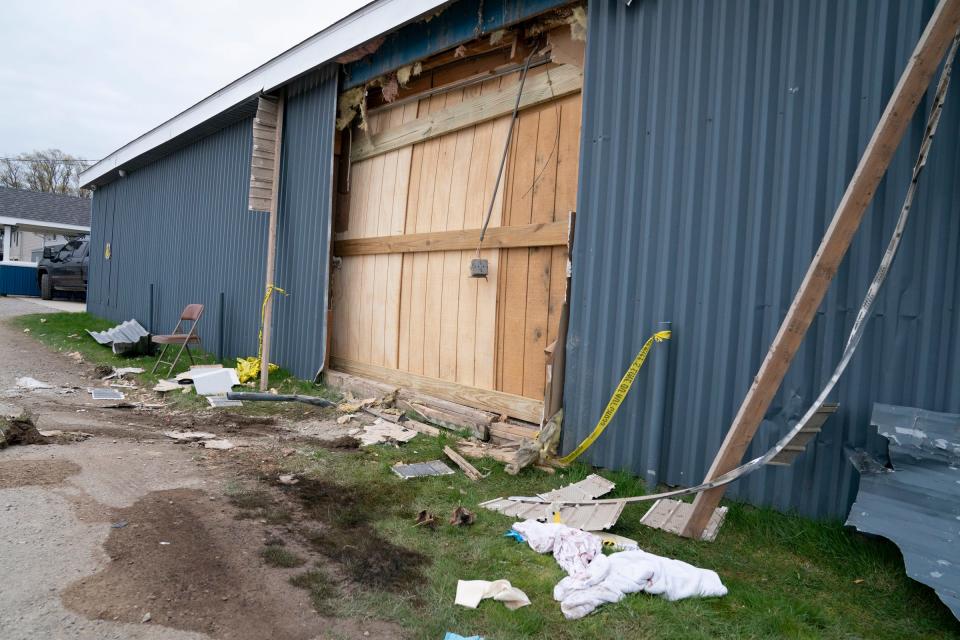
88, 77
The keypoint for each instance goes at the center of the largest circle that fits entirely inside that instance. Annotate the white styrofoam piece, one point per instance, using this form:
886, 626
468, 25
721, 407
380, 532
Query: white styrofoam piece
211, 382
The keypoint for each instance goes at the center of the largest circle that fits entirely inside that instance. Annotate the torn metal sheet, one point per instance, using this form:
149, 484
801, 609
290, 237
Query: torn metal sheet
915, 502
422, 469
106, 394
588, 517
127, 338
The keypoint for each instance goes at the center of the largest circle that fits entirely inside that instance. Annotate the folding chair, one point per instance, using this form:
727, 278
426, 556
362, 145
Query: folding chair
191, 313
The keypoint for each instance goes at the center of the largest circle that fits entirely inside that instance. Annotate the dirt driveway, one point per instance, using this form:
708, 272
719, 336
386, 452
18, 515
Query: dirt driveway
126, 534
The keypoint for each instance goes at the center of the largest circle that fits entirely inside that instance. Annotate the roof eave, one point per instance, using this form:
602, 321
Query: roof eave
360, 26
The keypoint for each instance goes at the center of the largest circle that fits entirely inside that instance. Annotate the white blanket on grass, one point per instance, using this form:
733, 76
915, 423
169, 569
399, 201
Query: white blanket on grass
610, 578
572, 548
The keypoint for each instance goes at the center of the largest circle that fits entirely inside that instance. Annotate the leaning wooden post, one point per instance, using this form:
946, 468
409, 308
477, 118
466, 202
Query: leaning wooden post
271, 253
873, 165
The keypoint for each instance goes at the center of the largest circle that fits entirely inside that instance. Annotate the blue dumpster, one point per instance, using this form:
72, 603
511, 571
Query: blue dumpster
18, 279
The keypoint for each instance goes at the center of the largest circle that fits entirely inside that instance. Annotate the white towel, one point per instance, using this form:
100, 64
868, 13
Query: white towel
471, 592
610, 578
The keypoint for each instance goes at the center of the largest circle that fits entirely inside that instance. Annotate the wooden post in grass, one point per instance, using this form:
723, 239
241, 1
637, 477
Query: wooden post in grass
873, 165
271, 252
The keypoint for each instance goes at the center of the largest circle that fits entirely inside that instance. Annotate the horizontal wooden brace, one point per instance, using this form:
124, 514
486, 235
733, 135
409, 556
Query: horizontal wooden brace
496, 401
544, 234
543, 87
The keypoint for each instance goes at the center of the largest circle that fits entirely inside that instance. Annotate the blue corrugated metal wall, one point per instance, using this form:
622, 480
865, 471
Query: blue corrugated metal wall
304, 225
181, 223
718, 138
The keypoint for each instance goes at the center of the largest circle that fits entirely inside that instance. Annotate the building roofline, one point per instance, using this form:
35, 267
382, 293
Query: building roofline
360, 26
41, 224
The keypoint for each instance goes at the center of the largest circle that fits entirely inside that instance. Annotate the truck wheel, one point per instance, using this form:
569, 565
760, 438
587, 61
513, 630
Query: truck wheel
46, 287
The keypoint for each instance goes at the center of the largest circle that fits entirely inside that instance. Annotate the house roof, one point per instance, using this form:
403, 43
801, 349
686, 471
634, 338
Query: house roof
377, 17
50, 210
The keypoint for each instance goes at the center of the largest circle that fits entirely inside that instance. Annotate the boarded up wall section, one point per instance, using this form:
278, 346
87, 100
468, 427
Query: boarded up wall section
420, 312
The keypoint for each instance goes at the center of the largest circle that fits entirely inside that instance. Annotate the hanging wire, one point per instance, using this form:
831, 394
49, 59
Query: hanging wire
506, 147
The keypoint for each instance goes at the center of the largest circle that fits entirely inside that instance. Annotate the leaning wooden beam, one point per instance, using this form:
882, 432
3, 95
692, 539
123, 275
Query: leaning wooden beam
873, 165
487, 399
552, 83
271, 247
543, 234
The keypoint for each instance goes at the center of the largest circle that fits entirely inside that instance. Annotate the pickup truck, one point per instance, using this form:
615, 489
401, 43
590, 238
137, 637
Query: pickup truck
64, 269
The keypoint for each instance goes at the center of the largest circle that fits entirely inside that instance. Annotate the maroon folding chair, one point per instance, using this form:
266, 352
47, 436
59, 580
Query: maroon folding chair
180, 336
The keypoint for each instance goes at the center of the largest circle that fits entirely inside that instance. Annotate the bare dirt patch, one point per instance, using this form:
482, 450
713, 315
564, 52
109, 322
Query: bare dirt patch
24, 473
180, 560
347, 537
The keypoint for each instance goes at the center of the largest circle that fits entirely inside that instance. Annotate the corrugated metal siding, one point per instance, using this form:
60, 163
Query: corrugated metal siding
303, 233
182, 224
718, 138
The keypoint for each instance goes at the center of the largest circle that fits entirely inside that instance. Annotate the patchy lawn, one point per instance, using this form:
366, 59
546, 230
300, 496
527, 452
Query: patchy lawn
787, 576
67, 332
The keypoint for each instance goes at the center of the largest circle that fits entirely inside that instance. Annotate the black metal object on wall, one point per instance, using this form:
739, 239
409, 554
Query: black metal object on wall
718, 138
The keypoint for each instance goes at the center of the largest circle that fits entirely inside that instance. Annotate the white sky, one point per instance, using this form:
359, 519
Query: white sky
88, 77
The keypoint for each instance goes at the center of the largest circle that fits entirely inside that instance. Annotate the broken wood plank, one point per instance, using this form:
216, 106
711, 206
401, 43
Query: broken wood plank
496, 401
468, 469
446, 419
473, 449
873, 165
540, 88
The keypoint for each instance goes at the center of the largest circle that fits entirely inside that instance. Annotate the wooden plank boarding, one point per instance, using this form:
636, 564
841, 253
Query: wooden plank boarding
497, 401
263, 163
873, 165
542, 234
539, 88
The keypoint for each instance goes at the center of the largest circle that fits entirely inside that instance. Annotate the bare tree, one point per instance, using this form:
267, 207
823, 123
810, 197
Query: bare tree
50, 171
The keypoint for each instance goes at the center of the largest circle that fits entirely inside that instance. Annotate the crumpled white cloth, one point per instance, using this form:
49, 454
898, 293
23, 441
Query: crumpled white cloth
471, 592
610, 578
572, 548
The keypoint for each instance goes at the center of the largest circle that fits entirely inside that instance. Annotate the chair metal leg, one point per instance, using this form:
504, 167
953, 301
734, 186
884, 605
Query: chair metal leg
190, 354
177, 359
159, 359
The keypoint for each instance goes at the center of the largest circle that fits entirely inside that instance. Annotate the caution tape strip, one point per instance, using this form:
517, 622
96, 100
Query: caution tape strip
618, 396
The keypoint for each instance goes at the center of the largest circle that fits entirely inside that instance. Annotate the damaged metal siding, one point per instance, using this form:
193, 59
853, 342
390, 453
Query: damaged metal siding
718, 138
455, 24
181, 224
914, 501
303, 231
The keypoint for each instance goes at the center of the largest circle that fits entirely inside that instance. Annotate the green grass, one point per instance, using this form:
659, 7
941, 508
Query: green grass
788, 576
66, 332
278, 556
322, 591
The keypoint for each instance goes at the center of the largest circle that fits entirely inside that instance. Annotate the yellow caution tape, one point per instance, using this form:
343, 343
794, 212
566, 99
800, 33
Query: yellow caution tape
249, 368
617, 398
